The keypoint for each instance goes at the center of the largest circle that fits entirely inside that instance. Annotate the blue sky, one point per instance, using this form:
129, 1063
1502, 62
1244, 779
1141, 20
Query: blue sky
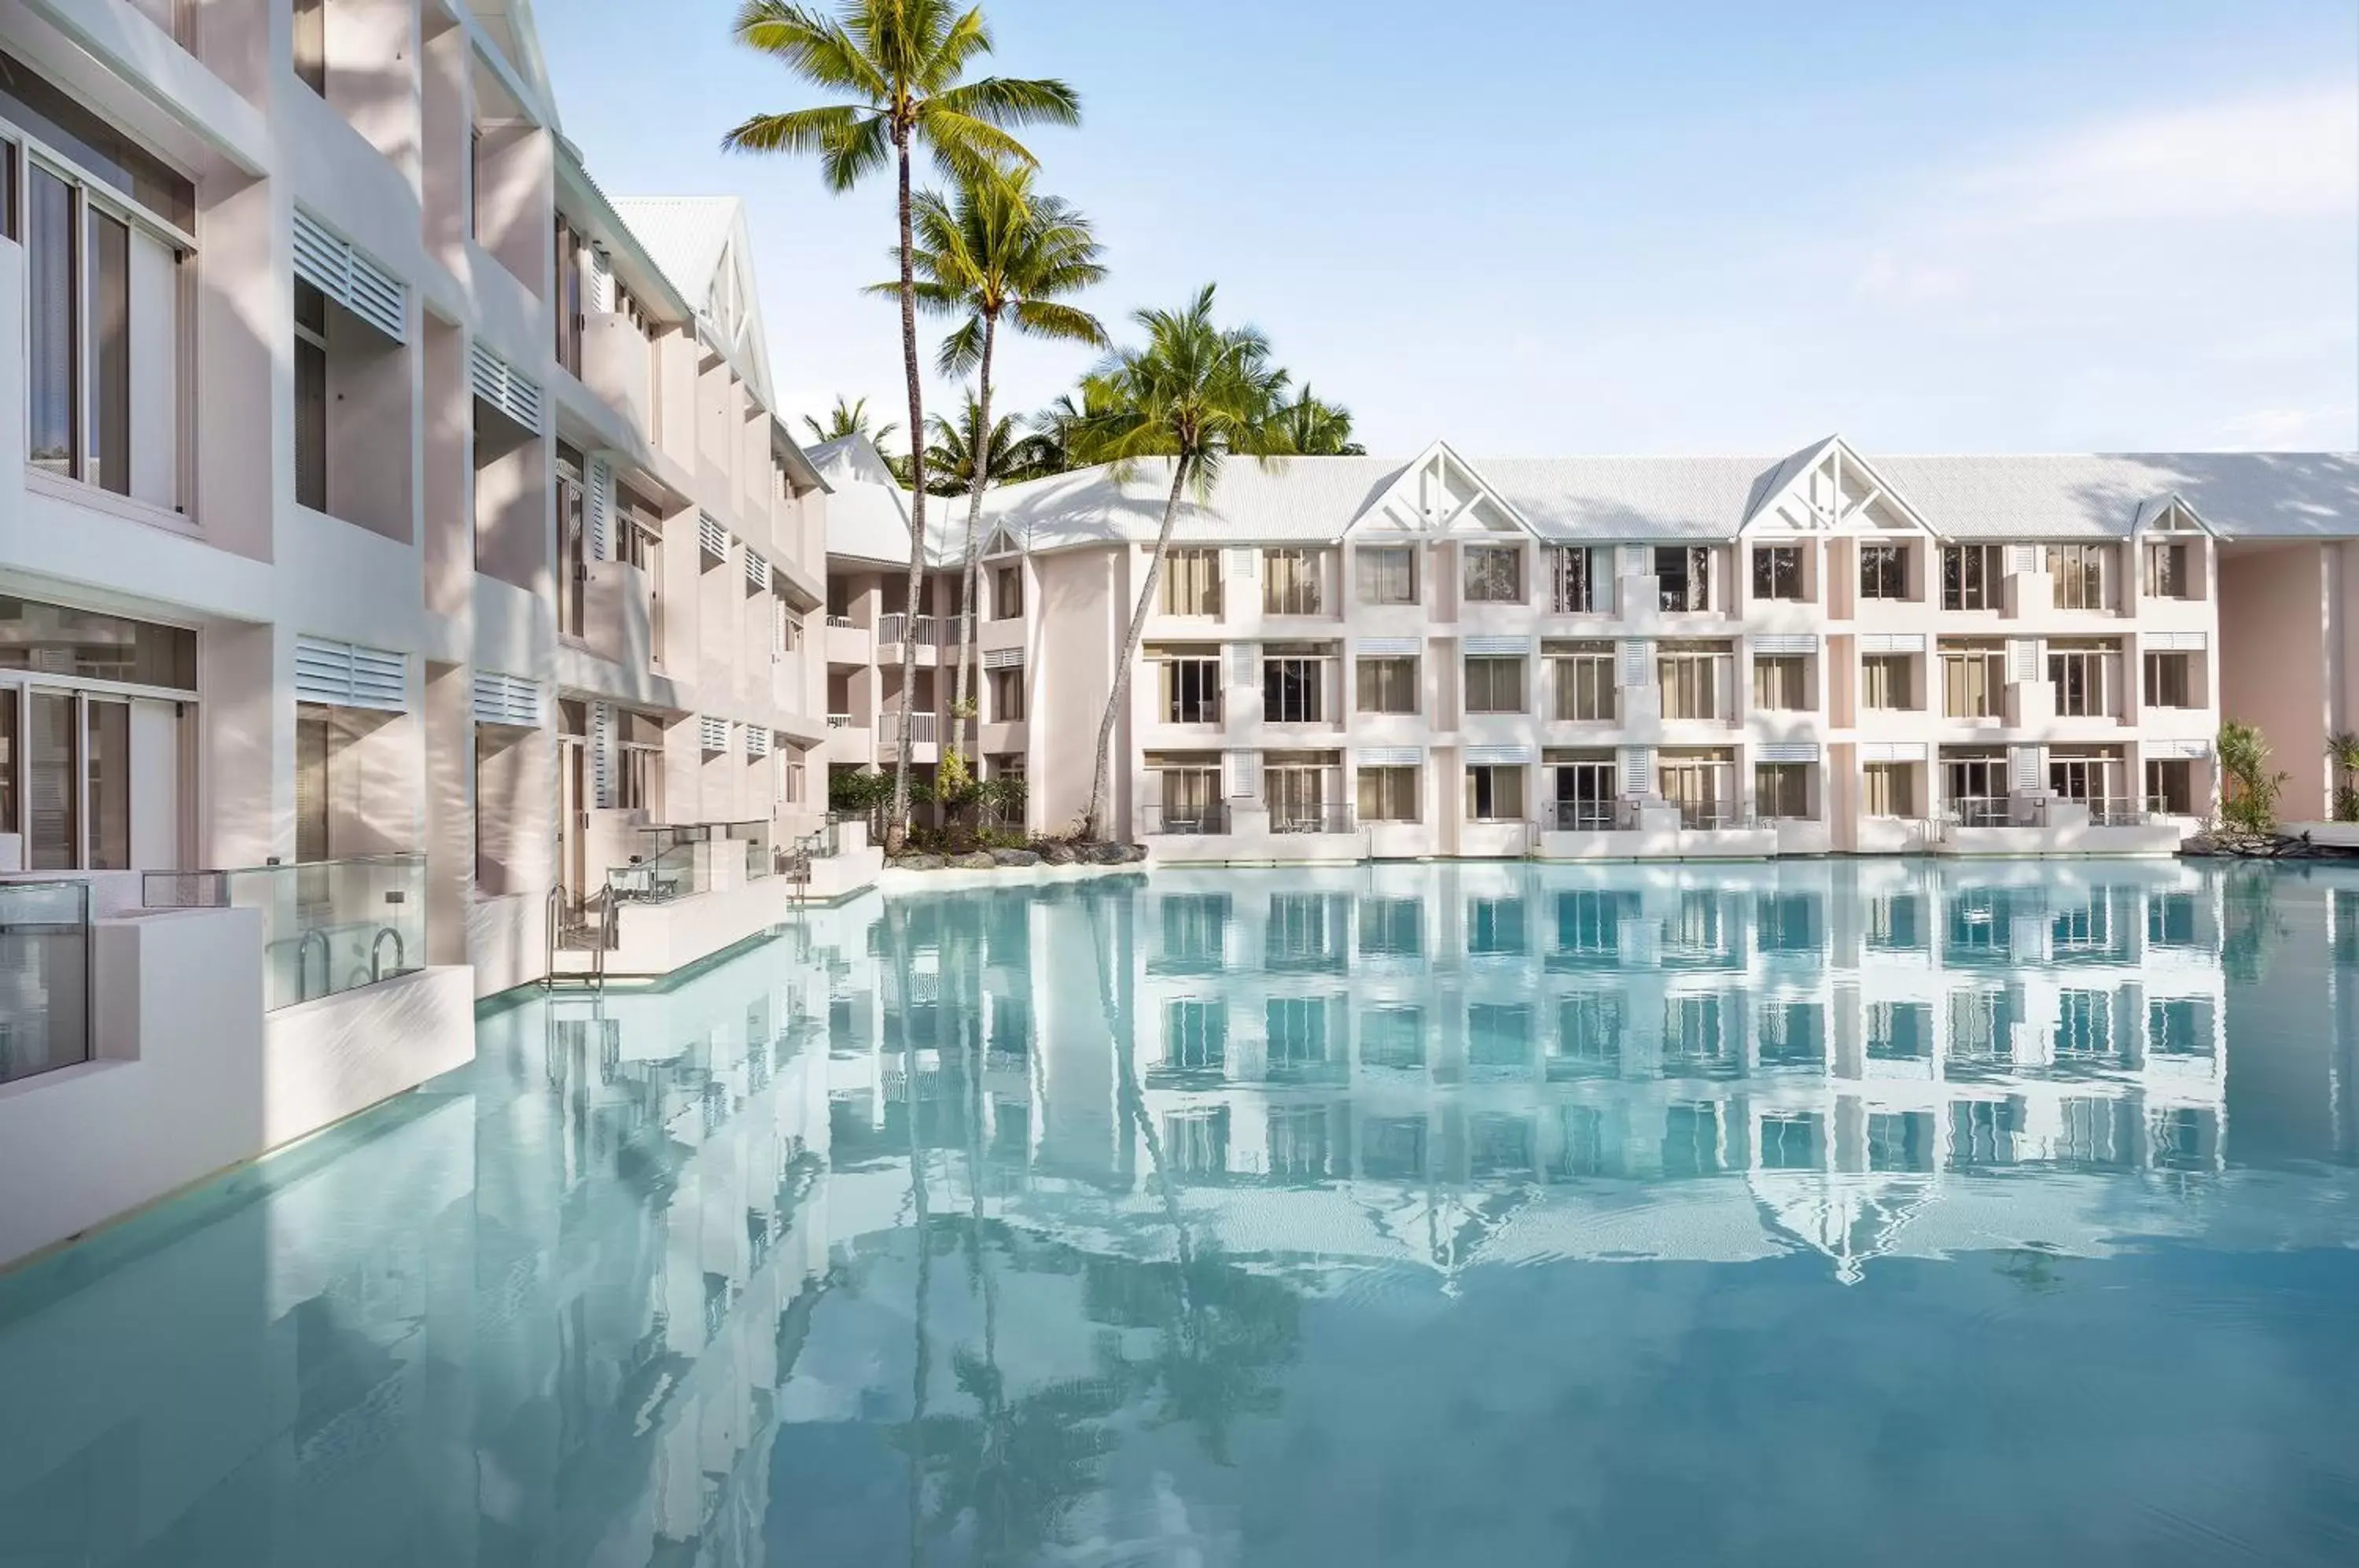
1612, 227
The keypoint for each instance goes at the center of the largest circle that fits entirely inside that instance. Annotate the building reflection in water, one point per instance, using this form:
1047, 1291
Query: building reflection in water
953, 1219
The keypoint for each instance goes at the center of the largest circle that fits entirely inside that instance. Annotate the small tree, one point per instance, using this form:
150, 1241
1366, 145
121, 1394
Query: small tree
2252, 802
2343, 750
856, 792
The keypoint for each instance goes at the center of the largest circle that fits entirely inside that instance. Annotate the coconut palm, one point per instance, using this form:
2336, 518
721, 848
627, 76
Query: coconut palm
995, 255
902, 64
1059, 427
849, 417
1196, 394
1316, 429
1012, 453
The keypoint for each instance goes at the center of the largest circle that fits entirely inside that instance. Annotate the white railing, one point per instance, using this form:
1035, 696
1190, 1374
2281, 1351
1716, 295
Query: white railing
844, 621
901, 627
839, 721
892, 627
922, 728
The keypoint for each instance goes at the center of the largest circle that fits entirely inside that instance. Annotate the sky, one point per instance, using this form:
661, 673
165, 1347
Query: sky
1612, 227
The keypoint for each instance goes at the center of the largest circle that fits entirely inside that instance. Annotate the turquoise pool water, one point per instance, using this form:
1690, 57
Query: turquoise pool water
1877, 1213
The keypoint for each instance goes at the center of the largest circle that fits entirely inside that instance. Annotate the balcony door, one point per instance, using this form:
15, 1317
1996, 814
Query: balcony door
100, 780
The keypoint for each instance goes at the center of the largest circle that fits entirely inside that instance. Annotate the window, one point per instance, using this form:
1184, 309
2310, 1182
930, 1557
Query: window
1971, 577
2084, 1025
1585, 685
1389, 685
1388, 794
1702, 786
2169, 681
310, 397
2080, 678
569, 246
87, 645
2079, 573
1888, 790
1192, 795
1883, 571
1007, 695
1493, 574
2169, 785
573, 542
1007, 592
2086, 777
1499, 1035
311, 44
1289, 582
1899, 1032
1884, 681
638, 773
1496, 926
1581, 582
1295, 1028
1792, 1140
1387, 575
2182, 1027
1305, 931
1585, 796
1298, 1143
1292, 689
1392, 1036
1191, 583
1690, 678
1494, 793
1195, 927
1782, 791
1977, 786
1295, 785
1974, 682
1191, 690
1683, 577
1777, 572
638, 542
2166, 570
1494, 685
1589, 1028
1195, 1036
1781, 683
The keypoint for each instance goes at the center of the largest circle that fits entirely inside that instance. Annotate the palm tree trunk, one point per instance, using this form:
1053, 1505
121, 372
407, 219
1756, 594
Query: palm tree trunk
1100, 789
980, 441
896, 828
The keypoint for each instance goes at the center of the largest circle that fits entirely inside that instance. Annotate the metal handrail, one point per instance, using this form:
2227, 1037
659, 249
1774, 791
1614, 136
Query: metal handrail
1584, 816
1714, 817
1980, 810
1190, 821
1326, 818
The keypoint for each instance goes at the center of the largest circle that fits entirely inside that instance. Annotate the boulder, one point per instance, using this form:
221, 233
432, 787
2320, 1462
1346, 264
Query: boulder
980, 860
1134, 854
1058, 855
1014, 858
918, 863
1105, 854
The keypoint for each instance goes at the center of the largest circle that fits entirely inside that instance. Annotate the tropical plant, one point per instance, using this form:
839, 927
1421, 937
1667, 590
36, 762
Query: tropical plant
1057, 428
2252, 804
993, 255
856, 792
1312, 428
849, 419
2343, 750
902, 64
1011, 454
1196, 394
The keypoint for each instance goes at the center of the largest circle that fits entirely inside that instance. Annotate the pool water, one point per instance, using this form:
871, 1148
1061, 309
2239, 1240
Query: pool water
1857, 1212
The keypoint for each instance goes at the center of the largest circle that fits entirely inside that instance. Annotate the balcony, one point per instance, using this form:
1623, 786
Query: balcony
1189, 822
924, 732
328, 926
2041, 825
620, 615
44, 977
896, 628
848, 644
619, 365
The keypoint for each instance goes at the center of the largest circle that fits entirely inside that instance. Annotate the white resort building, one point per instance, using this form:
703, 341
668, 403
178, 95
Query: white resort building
1355, 658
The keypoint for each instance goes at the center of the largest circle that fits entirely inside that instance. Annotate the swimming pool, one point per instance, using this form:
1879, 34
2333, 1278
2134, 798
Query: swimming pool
1865, 1212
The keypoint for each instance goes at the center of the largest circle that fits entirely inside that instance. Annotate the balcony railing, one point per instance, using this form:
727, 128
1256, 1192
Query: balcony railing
901, 627
1191, 820
923, 728
844, 621
1713, 816
1311, 818
839, 721
1982, 812
328, 926
674, 860
1585, 816
2104, 811
44, 977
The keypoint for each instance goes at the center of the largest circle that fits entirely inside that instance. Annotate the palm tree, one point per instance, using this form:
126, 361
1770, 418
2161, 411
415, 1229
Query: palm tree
903, 64
1059, 427
996, 254
1197, 395
1011, 454
1316, 429
2343, 750
849, 419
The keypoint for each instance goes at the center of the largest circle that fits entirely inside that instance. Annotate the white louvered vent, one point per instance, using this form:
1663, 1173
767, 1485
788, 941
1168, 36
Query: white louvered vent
757, 741
598, 490
1385, 646
2174, 642
329, 264
711, 537
1391, 756
1783, 642
2023, 659
2027, 767
1637, 770
348, 675
601, 280
1892, 642
504, 386
757, 572
1637, 561
1892, 751
714, 733
507, 700
1243, 564
2188, 748
2023, 558
1003, 659
1637, 663
1494, 646
1787, 751
1244, 664
1244, 774
1497, 755
602, 755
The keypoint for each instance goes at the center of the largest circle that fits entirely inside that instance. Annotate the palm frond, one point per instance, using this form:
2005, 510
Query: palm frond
812, 45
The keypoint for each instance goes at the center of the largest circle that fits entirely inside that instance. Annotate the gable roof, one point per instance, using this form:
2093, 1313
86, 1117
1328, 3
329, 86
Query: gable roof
702, 245
1435, 494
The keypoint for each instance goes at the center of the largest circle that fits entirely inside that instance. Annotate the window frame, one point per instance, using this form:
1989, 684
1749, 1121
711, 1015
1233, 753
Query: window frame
1484, 780
1303, 590
1883, 563
1689, 669
1176, 703
2088, 568
2152, 684
1576, 673
1492, 672
1991, 662
1197, 569
1979, 582
1307, 674
1396, 796
1379, 666
1777, 573
1471, 576
1776, 666
1370, 570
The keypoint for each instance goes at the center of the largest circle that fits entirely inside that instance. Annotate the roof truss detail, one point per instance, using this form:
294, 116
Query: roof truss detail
2168, 514
1828, 488
1440, 493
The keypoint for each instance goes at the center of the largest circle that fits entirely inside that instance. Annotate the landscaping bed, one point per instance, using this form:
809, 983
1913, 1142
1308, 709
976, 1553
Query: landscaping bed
2245, 844
923, 855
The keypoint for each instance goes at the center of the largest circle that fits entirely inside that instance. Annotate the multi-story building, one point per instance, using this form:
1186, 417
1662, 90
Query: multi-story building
399, 545
1645, 656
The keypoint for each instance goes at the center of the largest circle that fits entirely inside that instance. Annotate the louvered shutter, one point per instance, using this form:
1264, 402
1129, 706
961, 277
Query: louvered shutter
757, 570
1783, 642
1638, 560
507, 700
714, 733
602, 755
1637, 663
1637, 770
2027, 767
1386, 646
711, 537
1787, 751
1244, 664
1496, 646
346, 675
504, 386
757, 741
1497, 755
2023, 659
2023, 558
598, 490
1244, 774
328, 263
1391, 756
1003, 659
1243, 564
